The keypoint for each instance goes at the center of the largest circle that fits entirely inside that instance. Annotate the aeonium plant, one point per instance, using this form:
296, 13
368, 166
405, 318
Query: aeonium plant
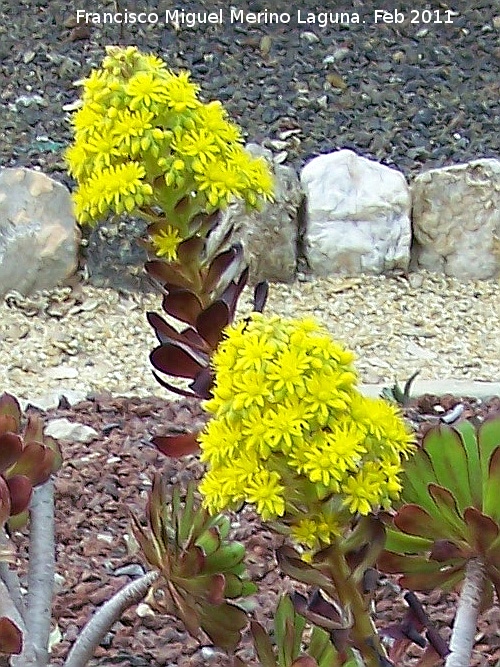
146, 144
291, 435
446, 531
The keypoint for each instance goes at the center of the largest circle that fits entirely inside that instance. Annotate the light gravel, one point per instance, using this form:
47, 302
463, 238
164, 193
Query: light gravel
97, 340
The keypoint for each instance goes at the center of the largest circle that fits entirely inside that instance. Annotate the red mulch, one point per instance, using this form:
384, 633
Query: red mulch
100, 482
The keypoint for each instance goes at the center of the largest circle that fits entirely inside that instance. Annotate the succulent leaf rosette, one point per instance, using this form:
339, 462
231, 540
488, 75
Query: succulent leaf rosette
203, 571
146, 144
291, 435
450, 511
27, 459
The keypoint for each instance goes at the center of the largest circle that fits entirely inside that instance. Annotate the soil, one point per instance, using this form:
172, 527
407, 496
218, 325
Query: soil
101, 482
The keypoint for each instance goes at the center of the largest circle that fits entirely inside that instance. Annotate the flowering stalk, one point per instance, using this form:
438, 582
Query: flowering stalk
146, 144
292, 436
363, 633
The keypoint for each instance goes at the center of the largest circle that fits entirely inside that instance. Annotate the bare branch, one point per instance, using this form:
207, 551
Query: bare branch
100, 623
41, 570
465, 626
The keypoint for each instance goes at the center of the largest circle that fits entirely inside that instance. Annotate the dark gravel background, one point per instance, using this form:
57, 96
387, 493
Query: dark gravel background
410, 95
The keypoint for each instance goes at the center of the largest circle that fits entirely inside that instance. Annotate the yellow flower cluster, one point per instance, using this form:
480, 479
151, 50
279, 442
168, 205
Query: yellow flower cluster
291, 434
144, 142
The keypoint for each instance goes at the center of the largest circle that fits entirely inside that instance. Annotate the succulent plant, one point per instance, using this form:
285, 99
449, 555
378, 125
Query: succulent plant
400, 396
202, 571
289, 634
449, 520
27, 459
450, 511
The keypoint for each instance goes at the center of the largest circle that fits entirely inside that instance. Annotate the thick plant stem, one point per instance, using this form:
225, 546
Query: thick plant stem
10, 577
100, 623
465, 626
363, 632
41, 571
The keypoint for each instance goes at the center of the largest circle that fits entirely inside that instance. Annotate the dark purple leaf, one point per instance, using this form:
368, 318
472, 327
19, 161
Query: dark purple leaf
260, 296
172, 359
11, 446
202, 384
11, 637
172, 388
190, 249
177, 445
211, 322
182, 304
20, 489
165, 272
232, 292
220, 264
167, 334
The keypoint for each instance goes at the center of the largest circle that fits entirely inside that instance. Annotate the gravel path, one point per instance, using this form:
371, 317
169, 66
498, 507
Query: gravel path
92, 339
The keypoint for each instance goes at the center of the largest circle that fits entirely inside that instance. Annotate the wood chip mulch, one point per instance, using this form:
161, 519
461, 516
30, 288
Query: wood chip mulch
102, 481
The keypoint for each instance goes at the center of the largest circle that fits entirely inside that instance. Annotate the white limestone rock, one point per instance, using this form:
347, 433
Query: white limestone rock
63, 429
357, 215
38, 234
269, 236
456, 220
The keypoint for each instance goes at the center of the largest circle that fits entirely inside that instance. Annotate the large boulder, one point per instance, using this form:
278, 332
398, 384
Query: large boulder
456, 220
39, 238
357, 215
269, 235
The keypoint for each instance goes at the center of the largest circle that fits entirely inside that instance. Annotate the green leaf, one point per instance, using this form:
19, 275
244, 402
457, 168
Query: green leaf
185, 518
263, 646
225, 558
223, 624
489, 440
468, 434
449, 460
405, 544
447, 504
285, 632
491, 486
418, 474
321, 648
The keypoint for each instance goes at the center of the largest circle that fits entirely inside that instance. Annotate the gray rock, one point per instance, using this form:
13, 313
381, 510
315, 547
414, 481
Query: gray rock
39, 238
63, 429
357, 215
269, 236
53, 398
456, 220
